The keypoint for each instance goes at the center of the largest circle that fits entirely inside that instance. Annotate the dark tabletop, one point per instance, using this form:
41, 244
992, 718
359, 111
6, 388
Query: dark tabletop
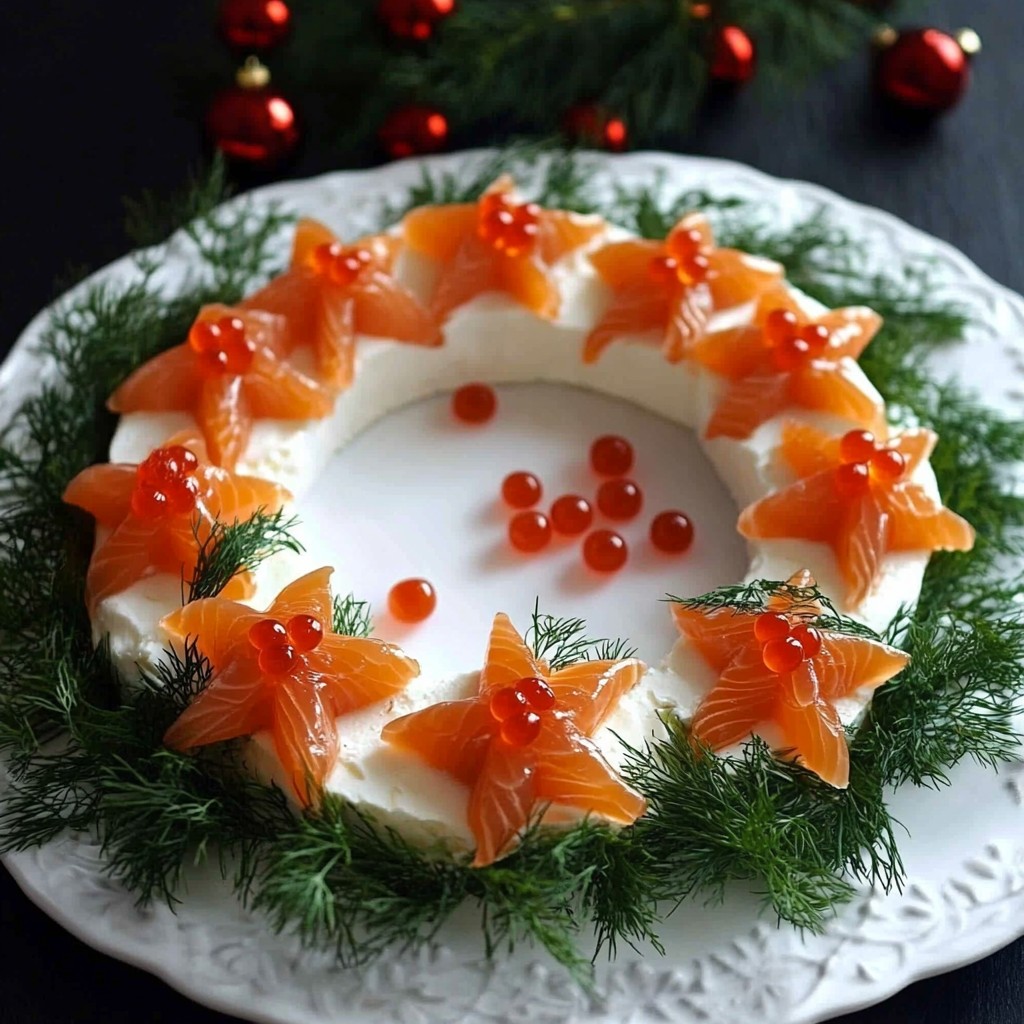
91, 114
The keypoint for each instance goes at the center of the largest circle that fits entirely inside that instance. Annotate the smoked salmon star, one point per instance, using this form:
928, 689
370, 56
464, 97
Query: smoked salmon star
524, 741
228, 373
857, 495
284, 671
780, 676
160, 512
673, 287
332, 292
785, 360
496, 244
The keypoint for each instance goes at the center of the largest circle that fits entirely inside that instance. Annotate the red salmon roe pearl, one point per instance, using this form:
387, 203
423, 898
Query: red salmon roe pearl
619, 499
536, 692
412, 600
571, 514
267, 633
175, 462
853, 479
305, 632
184, 495
782, 655
506, 702
529, 531
790, 353
521, 489
663, 270
509, 227
888, 464
605, 551
671, 532
808, 638
816, 337
474, 403
340, 264
276, 661
223, 347
683, 244
771, 626
780, 325
857, 446
611, 455
521, 729
149, 504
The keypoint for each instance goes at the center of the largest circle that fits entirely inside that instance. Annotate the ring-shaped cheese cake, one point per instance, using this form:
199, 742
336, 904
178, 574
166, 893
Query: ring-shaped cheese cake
244, 414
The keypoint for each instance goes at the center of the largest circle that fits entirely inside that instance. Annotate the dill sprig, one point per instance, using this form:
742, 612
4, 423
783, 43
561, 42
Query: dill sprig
352, 617
562, 641
84, 754
239, 546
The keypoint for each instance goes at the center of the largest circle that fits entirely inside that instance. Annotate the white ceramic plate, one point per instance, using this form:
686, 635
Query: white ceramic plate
964, 854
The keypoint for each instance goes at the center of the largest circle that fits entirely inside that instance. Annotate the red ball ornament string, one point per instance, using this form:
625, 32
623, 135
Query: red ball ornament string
413, 19
925, 71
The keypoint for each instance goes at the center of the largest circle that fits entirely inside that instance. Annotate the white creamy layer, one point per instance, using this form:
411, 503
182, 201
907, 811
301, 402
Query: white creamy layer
493, 339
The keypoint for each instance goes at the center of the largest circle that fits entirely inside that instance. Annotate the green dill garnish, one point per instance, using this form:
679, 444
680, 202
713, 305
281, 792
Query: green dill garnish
84, 753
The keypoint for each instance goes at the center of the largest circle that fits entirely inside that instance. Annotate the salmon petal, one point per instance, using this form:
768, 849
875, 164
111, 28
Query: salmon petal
334, 335
814, 737
860, 546
529, 284
626, 265
308, 595
439, 231
718, 635
850, 330
848, 663
309, 234
277, 391
600, 684
166, 383
233, 704
473, 271
238, 497
124, 558
832, 387
687, 318
452, 736
508, 658
744, 696
224, 418
808, 450
294, 296
776, 298
735, 279
305, 737
693, 221
561, 232
386, 309
810, 509
360, 671
219, 627
501, 802
104, 491
919, 523
734, 353
915, 446
631, 312
747, 404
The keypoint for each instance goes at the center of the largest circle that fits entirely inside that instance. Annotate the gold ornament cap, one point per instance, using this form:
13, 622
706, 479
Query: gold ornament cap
969, 40
252, 74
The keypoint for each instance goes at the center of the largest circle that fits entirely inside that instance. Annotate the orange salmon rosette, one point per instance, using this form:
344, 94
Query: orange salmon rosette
229, 373
496, 244
781, 676
332, 292
161, 511
856, 494
284, 671
672, 286
524, 741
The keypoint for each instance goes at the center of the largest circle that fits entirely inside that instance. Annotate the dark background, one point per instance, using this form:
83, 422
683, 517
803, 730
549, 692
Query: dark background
91, 113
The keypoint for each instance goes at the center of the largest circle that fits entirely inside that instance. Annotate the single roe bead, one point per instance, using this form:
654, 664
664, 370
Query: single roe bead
276, 661
521, 729
808, 638
605, 551
529, 531
771, 626
412, 600
149, 504
857, 446
671, 532
474, 403
506, 702
611, 455
521, 489
619, 499
267, 633
888, 464
852, 479
571, 514
783, 655
536, 692
305, 632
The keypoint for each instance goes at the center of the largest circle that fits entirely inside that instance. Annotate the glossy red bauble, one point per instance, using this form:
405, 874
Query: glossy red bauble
413, 131
590, 125
924, 70
413, 19
253, 124
254, 26
734, 59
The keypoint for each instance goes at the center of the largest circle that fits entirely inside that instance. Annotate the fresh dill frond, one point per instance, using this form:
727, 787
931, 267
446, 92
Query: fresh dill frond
239, 546
352, 617
563, 641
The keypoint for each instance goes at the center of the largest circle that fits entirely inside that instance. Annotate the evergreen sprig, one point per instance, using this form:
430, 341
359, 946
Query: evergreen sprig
84, 755
562, 641
352, 617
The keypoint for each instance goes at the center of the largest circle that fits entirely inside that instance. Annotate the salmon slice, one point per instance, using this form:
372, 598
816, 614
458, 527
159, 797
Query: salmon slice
808, 450
919, 524
746, 404
735, 279
560, 233
624, 265
439, 231
529, 284
309, 235
472, 271
278, 392
511, 781
744, 697
834, 388
104, 491
856, 665
165, 383
809, 508
860, 544
733, 353
299, 706
628, 313
717, 635
817, 739
385, 309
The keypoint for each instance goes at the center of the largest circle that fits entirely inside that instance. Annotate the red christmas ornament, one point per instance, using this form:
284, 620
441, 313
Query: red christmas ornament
734, 59
251, 122
590, 125
413, 131
254, 26
924, 69
413, 19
